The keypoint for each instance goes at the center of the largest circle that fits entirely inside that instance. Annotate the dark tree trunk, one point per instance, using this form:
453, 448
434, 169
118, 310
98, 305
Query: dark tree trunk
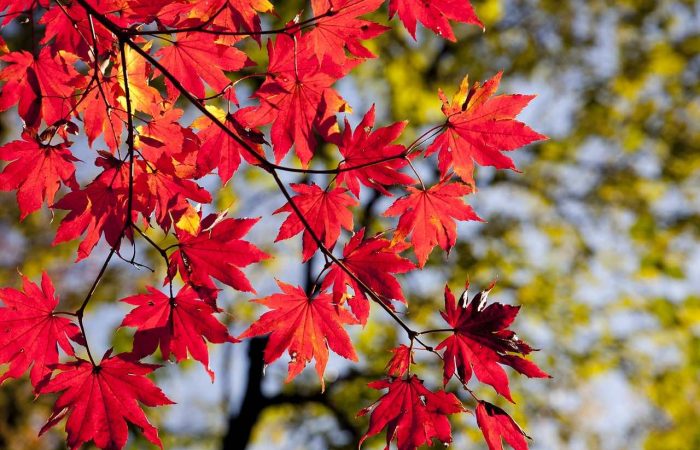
240, 426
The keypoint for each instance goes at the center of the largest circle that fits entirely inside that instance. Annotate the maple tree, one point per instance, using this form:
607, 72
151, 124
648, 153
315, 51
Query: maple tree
117, 69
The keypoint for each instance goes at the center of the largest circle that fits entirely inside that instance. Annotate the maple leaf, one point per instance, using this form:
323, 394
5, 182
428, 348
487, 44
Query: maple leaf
101, 112
41, 87
166, 193
219, 149
297, 98
305, 327
69, 27
325, 211
141, 94
36, 171
399, 363
341, 29
147, 11
479, 127
100, 208
435, 15
197, 56
177, 325
100, 399
163, 134
242, 15
30, 332
216, 251
496, 424
428, 215
164, 185
216, 15
364, 146
412, 414
373, 261
482, 341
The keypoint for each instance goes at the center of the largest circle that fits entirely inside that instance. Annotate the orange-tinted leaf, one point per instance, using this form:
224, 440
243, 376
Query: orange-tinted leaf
142, 94
166, 193
68, 28
305, 327
479, 128
102, 113
242, 15
429, 216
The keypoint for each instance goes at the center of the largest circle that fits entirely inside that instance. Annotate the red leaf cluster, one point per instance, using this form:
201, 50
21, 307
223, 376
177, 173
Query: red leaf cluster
116, 72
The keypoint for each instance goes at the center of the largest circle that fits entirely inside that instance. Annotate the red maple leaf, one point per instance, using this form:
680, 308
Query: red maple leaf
224, 15
163, 134
166, 193
198, 56
68, 27
341, 29
100, 208
364, 146
178, 325
30, 332
325, 211
242, 15
305, 327
373, 261
412, 414
41, 87
401, 361
102, 113
36, 171
482, 341
479, 127
297, 97
99, 400
219, 149
435, 15
429, 216
142, 10
496, 424
216, 251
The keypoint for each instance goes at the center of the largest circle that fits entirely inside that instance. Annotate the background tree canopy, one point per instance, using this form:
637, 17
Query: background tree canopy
600, 242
